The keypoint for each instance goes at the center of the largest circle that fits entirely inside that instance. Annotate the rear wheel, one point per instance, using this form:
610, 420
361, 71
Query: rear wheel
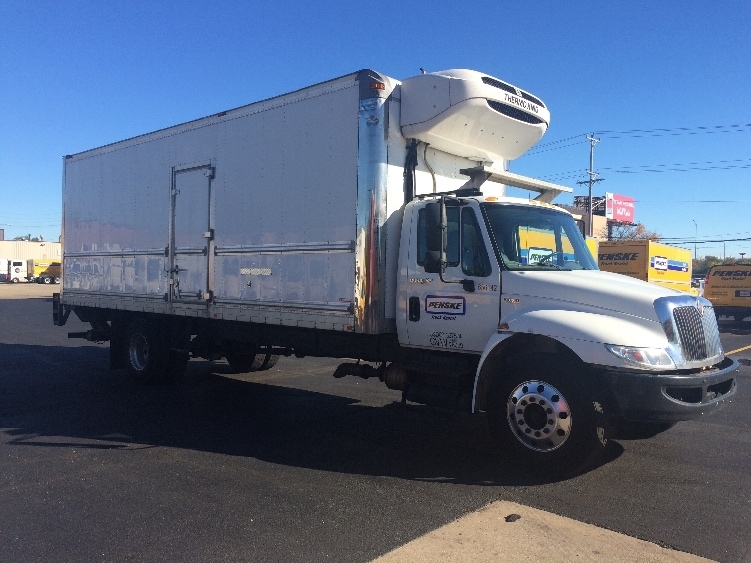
148, 354
47, 280
243, 362
546, 415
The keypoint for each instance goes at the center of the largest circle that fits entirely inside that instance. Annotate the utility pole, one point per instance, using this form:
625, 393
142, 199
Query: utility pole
696, 232
592, 178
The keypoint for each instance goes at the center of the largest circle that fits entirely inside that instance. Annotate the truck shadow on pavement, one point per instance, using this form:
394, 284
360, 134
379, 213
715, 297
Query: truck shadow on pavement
742, 328
56, 396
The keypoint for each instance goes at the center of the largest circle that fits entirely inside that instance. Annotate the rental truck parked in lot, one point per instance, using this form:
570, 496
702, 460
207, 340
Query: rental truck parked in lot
649, 261
728, 287
17, 271
368, 218
42, 271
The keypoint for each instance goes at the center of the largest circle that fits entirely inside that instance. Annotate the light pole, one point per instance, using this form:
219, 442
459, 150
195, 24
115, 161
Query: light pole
742, 255
696, 231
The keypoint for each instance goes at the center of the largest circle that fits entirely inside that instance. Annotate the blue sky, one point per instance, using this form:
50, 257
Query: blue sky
76, 75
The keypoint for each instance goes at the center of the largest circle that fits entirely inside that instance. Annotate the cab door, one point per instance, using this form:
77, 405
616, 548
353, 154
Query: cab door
461, 312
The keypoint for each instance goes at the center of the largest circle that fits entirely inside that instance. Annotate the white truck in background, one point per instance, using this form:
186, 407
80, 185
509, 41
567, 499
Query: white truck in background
17, 271
368, 218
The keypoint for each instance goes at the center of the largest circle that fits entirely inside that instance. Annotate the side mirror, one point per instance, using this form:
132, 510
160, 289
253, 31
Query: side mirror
434, 231
433, 262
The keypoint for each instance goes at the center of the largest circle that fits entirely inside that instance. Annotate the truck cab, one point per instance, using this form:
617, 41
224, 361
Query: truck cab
514, 281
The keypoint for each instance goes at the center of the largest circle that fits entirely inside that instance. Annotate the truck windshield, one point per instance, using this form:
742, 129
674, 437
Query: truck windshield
536, 238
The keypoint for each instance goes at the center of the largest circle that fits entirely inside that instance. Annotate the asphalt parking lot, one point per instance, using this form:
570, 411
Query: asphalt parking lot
293, 465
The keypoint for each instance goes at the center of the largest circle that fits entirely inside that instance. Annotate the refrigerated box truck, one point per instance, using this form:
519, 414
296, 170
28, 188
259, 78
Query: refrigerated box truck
368, 218
649, 261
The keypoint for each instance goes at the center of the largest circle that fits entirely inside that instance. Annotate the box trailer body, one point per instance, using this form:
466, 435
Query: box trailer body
649, 261
728, 287
368, 218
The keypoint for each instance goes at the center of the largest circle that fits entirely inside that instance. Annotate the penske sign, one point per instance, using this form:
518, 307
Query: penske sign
443, 305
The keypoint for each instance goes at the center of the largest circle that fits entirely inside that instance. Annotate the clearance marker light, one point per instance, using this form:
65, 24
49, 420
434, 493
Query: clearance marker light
492, 198
377, 86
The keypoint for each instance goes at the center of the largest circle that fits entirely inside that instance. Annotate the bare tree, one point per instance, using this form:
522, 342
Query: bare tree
633, 232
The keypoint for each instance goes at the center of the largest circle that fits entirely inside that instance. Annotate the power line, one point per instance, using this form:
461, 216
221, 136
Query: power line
662, 132
639, 133
661, 168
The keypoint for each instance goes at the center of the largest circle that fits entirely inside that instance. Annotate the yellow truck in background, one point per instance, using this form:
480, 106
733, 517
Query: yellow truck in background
42, 271
728, 287
649, 261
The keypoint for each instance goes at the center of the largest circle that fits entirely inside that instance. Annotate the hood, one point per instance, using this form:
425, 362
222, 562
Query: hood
585, 290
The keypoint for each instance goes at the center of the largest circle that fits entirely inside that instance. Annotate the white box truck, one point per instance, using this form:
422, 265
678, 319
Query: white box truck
366, 218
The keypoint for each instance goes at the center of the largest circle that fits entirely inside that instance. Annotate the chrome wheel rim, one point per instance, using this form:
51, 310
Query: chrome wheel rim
539, 416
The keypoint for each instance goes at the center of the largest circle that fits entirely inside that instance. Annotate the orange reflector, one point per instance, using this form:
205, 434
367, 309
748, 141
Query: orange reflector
491, 199
377, 86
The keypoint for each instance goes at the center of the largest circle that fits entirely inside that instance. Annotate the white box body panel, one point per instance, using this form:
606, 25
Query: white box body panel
286, 211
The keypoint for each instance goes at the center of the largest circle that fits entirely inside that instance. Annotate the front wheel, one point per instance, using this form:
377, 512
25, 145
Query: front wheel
546, 415
47, 280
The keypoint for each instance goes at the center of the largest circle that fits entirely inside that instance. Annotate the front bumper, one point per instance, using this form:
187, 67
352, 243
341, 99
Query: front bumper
642, 396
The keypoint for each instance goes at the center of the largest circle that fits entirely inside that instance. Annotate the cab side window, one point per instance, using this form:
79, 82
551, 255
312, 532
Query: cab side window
475, 260
464, 246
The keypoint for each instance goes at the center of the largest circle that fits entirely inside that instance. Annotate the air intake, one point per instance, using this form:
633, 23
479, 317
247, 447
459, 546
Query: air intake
511, 90
515, 113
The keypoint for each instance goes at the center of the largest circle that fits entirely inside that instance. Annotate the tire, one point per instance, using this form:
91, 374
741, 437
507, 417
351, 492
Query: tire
15, 280
271, 360
56, 280
245, 363
148, 355
545, 415
47, 280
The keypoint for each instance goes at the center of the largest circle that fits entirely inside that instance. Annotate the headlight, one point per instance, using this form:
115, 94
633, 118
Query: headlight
644, 357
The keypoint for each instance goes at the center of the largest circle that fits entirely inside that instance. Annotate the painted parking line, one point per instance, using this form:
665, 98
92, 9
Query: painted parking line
738, 350
506, 531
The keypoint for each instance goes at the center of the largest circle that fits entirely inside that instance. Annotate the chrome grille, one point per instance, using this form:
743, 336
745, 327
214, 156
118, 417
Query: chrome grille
697, 332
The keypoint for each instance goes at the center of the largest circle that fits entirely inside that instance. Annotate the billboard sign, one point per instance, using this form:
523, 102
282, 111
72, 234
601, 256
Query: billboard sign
619, 208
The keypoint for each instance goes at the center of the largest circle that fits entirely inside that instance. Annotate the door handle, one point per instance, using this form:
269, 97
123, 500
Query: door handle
414, 309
